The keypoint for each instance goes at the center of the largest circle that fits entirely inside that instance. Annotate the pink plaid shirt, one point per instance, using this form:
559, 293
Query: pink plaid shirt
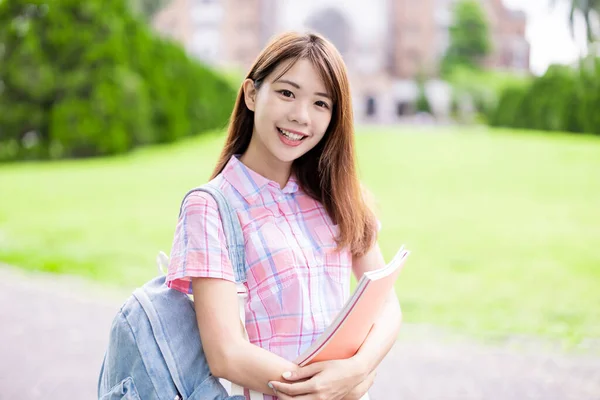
297, 280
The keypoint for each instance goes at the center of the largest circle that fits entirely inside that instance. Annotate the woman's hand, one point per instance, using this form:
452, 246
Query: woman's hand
331, 380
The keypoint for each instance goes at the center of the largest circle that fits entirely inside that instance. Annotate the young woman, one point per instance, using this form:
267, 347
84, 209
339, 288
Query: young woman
288, 169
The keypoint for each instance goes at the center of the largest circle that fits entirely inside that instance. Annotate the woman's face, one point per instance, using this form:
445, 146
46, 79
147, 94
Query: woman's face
291, 113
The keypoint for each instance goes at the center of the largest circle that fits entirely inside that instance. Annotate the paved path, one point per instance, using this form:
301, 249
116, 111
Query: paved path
53, 333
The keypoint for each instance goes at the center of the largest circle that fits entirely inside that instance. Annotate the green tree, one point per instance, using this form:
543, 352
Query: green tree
590, 11
85, 78
53, 55
469, 37
147, 8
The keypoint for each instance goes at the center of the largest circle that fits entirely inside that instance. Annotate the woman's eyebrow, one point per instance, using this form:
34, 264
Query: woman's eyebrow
294, 84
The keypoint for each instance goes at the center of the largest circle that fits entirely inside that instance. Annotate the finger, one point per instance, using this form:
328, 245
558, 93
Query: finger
282, 396
293, 389
304, 372
270, 385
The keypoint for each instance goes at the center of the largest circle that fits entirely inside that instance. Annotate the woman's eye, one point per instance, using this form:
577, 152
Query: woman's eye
322, 104
286, 93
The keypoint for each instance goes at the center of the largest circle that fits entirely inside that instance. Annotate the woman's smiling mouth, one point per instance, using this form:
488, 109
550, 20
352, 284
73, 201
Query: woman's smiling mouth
291, 138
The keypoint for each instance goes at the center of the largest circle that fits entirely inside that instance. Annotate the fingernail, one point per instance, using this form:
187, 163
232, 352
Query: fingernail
287, 374
270, 385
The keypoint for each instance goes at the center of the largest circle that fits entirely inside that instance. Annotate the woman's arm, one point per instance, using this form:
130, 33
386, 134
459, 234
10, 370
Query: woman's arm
385, 331
229, 354
354, 376
362, 388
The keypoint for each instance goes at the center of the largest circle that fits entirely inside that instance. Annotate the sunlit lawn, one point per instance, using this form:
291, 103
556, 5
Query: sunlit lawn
504, 227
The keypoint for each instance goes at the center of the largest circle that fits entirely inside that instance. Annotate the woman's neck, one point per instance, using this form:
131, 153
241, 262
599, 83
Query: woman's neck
267, 166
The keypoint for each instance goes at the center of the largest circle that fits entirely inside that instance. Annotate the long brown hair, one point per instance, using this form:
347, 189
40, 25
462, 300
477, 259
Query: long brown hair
328, 171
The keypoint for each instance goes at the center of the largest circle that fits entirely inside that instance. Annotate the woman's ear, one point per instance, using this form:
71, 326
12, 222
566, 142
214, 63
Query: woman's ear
249, 94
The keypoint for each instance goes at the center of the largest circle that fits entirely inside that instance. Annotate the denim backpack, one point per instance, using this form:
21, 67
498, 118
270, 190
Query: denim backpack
154, 349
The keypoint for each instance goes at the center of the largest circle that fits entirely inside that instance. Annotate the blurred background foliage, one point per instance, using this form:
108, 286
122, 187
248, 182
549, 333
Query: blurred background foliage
469, 37
566, 98
563, 99
146, 9
81, 79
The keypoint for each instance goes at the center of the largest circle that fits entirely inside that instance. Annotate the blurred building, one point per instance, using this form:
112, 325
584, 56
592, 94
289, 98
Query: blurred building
386, 44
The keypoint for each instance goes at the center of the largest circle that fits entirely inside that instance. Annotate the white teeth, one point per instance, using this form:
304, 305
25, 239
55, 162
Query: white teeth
290, 135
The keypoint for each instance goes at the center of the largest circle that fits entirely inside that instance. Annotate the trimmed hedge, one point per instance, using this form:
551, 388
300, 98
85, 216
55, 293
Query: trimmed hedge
563, 99
86, 78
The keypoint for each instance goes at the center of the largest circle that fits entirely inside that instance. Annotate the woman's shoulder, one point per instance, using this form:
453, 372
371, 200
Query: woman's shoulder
197, 198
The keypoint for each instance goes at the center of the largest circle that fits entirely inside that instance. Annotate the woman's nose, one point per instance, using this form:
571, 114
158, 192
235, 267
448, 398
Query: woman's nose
299, 113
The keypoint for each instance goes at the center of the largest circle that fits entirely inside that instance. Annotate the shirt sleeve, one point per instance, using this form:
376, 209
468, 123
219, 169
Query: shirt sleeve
199, 245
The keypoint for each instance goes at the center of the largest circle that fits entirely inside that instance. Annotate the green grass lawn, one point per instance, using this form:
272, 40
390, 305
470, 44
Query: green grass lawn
504, 226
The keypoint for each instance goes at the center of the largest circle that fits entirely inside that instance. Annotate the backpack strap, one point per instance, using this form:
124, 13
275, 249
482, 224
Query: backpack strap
235, 244
231, 226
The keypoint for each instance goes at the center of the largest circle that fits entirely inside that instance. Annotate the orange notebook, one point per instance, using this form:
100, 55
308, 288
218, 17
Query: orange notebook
350, 328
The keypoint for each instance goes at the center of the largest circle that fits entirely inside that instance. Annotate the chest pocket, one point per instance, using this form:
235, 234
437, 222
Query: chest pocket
270, 262
336, 262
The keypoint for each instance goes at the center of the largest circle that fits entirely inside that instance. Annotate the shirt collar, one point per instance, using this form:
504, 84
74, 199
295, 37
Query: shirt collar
250, 184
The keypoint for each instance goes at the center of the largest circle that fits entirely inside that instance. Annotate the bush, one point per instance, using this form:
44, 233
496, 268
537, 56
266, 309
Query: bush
86, 78
589, 111
508, 110
483, 88
113, 117
563, 99
551, 99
